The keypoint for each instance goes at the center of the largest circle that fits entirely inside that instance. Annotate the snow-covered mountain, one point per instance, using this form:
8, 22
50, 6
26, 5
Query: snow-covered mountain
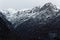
20, 16
46, 18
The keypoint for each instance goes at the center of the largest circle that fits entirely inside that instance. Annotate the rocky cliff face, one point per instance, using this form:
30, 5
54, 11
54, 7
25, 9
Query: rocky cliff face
39, 23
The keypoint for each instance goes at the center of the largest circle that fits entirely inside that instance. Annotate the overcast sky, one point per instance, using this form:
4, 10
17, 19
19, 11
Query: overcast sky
23, 4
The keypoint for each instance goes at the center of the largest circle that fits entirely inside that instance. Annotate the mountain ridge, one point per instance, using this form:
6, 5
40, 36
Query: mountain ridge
35, 23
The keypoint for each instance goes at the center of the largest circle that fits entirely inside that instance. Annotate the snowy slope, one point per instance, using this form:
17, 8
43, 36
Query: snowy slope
17, 16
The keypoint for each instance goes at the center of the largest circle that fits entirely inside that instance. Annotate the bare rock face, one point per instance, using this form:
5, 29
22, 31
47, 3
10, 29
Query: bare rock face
33, 24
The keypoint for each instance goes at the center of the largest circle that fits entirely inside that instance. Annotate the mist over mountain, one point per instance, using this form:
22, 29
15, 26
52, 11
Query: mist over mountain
35, 22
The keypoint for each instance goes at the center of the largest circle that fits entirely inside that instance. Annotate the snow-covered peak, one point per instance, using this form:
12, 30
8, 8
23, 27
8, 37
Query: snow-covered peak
16, 16
49, 4
9, 13
12, 10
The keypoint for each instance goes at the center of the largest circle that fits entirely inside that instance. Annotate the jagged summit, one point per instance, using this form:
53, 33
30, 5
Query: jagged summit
49, 5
